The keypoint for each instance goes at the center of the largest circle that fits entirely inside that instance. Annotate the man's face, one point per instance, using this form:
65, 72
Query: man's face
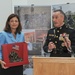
58, 19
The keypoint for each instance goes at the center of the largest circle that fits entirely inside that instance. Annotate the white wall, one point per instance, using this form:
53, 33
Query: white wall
49, 2
5, 10
7, 6
39, 2
18, 2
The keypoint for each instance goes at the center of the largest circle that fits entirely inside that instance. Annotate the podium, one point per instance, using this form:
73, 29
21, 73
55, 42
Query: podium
53, 65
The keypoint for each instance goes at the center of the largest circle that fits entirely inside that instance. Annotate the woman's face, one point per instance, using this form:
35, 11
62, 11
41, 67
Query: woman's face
13, 23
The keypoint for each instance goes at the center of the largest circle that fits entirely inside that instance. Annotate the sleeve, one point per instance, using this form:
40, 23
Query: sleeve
72, 38
45, 47
22, 38
2, 41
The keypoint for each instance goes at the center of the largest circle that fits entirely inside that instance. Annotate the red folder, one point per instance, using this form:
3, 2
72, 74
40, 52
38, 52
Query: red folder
18, 50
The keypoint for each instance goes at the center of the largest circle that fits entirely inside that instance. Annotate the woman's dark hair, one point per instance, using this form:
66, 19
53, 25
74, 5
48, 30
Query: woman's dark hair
61, 13
7, 26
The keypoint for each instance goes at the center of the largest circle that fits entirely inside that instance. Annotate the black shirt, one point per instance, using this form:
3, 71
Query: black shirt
55, 35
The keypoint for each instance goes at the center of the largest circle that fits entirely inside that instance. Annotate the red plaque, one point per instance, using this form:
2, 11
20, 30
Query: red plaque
15, 54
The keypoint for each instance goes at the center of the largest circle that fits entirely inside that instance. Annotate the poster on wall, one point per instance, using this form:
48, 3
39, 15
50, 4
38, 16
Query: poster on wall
69, 10
36, 21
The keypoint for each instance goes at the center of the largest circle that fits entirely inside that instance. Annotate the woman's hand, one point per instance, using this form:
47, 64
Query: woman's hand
3, 64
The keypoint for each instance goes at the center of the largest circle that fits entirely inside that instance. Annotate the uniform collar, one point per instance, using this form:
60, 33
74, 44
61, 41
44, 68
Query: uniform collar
59, 28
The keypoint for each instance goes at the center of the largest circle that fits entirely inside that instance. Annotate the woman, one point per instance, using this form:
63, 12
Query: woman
11, 34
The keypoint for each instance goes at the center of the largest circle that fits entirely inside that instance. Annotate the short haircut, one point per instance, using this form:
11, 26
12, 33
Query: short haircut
60, 12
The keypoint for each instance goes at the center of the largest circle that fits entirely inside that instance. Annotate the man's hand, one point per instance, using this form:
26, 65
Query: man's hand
51, 46
67, 42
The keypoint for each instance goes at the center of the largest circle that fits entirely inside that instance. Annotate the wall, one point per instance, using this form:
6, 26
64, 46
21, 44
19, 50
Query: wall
18, 2
41, 2
5, 10
7, 6
49, 2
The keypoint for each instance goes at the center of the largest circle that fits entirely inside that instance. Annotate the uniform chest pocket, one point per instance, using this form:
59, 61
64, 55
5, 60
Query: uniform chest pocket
51, 38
